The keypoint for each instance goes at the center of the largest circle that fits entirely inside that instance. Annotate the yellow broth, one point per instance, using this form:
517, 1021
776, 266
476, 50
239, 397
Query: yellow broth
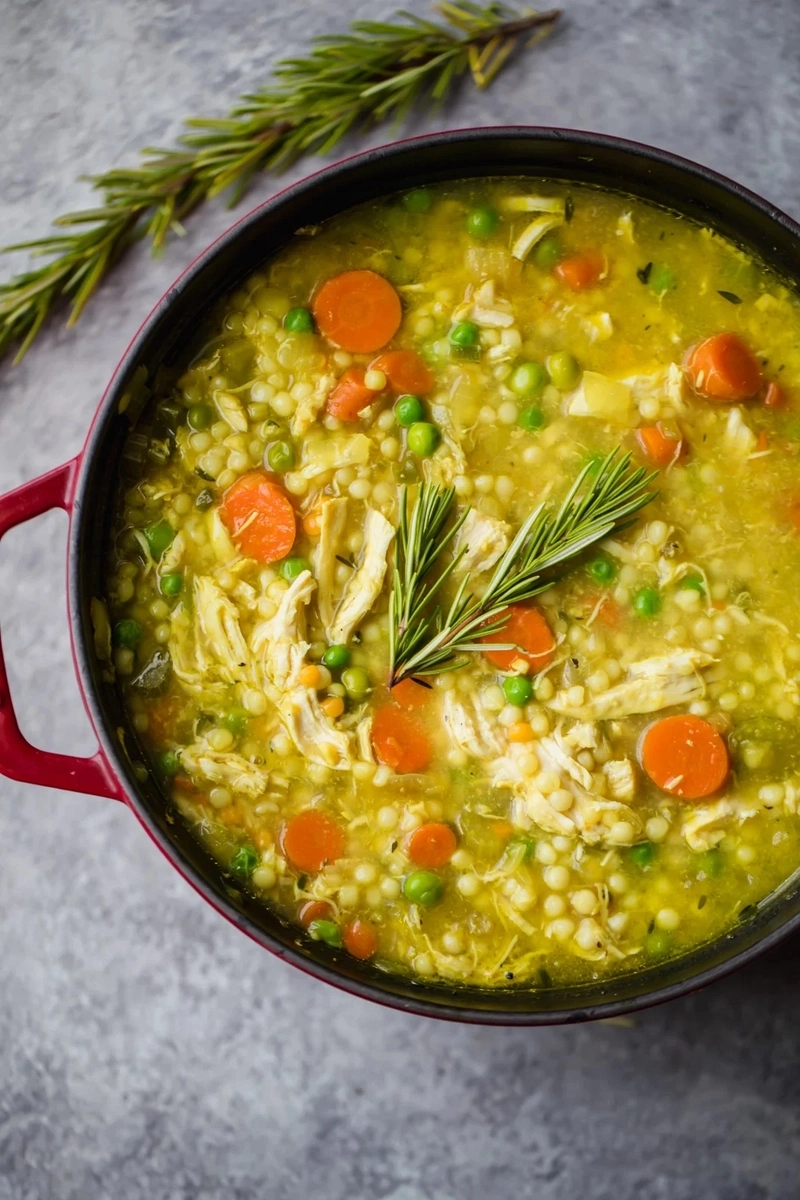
709, 567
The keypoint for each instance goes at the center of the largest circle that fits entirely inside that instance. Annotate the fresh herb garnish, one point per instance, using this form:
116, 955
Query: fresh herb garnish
377, 71
731, 297
643, 274
424, 638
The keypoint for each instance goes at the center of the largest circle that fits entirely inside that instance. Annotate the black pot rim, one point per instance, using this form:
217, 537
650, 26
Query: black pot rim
328, 973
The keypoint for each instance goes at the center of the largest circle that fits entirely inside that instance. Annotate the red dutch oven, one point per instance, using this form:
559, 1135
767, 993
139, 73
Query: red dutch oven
84, 488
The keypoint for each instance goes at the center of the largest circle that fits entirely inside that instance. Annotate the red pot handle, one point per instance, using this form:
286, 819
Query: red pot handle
18, 758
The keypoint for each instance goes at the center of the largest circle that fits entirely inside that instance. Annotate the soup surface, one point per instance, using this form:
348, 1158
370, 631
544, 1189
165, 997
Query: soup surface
590, 759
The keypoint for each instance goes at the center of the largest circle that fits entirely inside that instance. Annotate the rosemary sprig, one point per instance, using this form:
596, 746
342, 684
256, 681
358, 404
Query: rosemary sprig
376, 71
426, 640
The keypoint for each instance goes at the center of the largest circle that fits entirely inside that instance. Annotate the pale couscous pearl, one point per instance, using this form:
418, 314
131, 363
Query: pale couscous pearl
375, 380
390, 448
461, 860
657, 829
507, 413
556, 878
220, 739
617, 883
545, 854
468, 885
387, 817
365, 873
452, 942
745, 855
562, 929
667, 919
423, 964
554, 905
219, 797
561, 800
359, 489
532, 455
544, 689
584, 901
263, 878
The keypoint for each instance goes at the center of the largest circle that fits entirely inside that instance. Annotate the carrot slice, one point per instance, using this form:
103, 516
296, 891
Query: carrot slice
405, 371
311, 839
399, 740
658, 445
723, 369
431, 845
360, 939
685, 756
527, 628
314, 910
410, 694
582, 271
260, 517
350, 395
774, 395
359, 311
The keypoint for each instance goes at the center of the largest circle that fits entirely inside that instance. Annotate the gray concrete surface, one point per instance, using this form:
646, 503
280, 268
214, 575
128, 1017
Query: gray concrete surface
147, 1050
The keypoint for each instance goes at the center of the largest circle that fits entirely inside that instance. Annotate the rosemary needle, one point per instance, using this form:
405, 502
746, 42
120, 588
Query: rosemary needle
376, 71
424, 639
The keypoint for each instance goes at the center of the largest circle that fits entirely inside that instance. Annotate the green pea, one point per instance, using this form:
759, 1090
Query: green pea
694, 582
532, 419
547, 252
326, 931
159, 537
409, 410
236, 721
528, 379
205, 499
647, 602
291, 568
563, 369
200, 416
423, 887
711, 863
423, 438
482, 221
126, 633
662, 279
602, 569
280, 456
657, 943
642, 855
417, 201
298, 320
168, 763
244, 862
464, 333
336, 658
171, 583
517, 689
356, 682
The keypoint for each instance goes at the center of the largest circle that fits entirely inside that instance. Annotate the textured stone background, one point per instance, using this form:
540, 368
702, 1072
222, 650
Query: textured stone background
147, 1050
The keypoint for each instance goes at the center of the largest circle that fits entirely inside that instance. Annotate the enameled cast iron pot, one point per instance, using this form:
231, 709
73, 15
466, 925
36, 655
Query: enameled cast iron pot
84, 487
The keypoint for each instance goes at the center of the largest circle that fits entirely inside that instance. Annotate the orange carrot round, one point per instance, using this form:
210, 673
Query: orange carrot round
360, 939
260, 517
314, 910
685, 756
410, 694
658, 445
358, 310
350, 395
723, 369
431, 845
311, 839
527, 628
582, 271
405, 371
399, 740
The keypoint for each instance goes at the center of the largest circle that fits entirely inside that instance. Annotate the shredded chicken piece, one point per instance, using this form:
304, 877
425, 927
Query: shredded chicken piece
173, 555
230, 409
556, 754
482, 306
221, 543
333, 515
653, 684
364, 739
533, 233
313, 733
469, 728
584, 735
305, 414
448, 461
212, 646
226, 768
484, 540
701, 828
739, 437
364, 585
322, 454
279, 643
621, 778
